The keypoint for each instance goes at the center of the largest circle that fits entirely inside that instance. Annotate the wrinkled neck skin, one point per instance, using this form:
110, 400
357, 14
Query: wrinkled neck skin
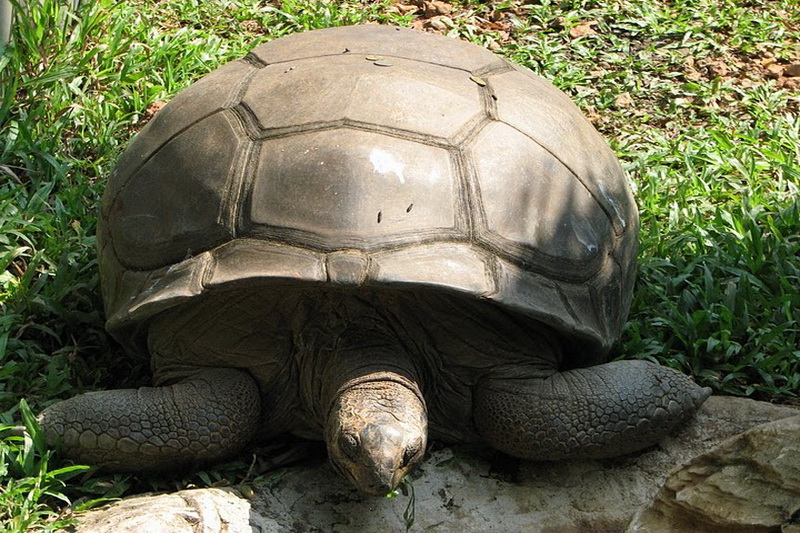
376, 425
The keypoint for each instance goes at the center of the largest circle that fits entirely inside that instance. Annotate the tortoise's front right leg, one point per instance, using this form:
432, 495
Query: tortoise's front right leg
208, 417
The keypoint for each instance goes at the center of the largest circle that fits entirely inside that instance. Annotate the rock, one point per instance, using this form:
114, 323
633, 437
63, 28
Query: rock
460, 489
187, 511
748, 483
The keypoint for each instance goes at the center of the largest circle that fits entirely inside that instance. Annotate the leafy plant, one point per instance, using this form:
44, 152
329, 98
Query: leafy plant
406, 488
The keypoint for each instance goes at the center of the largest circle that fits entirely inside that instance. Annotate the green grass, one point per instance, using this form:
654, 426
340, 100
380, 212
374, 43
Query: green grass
31, 489
680, 89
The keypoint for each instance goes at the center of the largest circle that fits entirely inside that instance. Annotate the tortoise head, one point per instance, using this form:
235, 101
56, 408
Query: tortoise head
376, 434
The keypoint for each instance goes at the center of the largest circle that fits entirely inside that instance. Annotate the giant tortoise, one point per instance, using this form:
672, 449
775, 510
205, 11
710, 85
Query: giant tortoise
370, 235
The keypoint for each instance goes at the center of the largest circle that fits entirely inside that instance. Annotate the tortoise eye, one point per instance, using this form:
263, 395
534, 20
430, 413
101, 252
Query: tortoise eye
410, 453
348, 443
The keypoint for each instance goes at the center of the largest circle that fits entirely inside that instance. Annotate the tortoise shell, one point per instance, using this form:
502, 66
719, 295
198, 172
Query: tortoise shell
373, 157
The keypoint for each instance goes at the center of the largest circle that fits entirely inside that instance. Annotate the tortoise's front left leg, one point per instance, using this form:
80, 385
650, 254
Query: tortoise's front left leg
207, 417
600, 411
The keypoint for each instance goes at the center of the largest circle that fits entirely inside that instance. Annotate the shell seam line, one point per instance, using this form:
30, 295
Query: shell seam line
242, 169
257, 133
496, 67
565, 303
254, 60
369, 252
469, 207
163, 144
205, 270
376, 53
506, 249
229, 102
472, 129
492, 273
605, 209
237, 94
305, 239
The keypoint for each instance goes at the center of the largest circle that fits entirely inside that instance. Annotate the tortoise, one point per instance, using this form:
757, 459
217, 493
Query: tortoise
370, 235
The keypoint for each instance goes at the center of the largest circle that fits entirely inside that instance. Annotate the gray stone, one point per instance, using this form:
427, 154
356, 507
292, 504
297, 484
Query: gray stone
750, 482
465, 491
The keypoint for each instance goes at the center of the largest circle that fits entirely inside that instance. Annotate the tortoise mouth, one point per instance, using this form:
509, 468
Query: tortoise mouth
378, 484
376, 468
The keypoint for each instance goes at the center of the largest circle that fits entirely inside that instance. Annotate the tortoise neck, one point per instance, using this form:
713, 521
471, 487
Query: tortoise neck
365, 352
388, 378
368, 366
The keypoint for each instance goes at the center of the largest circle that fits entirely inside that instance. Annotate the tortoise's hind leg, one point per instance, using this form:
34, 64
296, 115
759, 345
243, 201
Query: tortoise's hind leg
207, 417
594, 412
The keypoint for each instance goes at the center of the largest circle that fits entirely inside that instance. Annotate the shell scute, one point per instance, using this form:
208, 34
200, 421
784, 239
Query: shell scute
410, 96
326, 188
550, 219
207, 96
174, 205
539, 110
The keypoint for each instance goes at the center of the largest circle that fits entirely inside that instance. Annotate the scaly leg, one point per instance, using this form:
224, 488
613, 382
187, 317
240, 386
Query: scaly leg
601, 411
208, 417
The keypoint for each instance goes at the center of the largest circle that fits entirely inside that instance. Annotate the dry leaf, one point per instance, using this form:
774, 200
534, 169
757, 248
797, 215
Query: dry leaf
436, 8
790, 84
592, 114
151, 111
439, 24
252, 26
767, 61
623, 100
692, 74
582, 30
774, 70
717, 68
792, 70
404, 9
479, 81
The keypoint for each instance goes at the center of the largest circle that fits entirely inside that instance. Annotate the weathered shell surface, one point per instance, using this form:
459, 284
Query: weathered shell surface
373, 156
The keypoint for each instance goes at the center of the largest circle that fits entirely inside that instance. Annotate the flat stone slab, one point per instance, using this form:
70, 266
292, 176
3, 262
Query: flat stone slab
457, 489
